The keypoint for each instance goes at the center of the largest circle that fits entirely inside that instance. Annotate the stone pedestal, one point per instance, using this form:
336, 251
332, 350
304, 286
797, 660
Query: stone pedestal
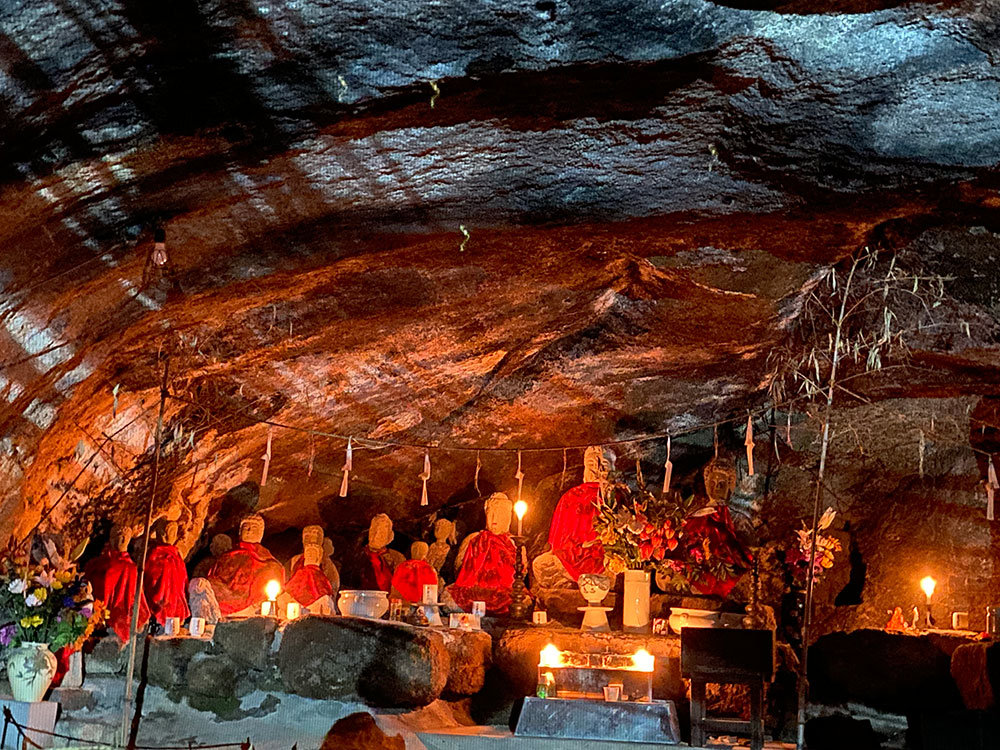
40, 715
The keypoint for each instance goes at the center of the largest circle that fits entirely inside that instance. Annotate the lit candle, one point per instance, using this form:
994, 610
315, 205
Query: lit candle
292, 611
928, 584
272, 589
520, 508
267, 608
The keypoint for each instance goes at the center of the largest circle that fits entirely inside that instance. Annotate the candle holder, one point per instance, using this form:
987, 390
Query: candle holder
519, 600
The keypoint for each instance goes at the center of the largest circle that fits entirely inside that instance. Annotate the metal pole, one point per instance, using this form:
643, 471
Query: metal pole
133, 636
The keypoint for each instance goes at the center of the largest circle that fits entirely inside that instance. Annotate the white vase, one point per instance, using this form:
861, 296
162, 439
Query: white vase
635, 602
30, 669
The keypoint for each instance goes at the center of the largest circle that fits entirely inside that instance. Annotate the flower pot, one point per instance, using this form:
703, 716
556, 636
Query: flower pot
30, 669
635, 602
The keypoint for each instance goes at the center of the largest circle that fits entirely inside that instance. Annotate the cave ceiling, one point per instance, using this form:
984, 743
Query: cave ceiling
487, 224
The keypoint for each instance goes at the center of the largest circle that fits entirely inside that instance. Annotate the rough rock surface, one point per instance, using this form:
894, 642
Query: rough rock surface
170, 659
247, 642
470, 658
380, 663
360, 732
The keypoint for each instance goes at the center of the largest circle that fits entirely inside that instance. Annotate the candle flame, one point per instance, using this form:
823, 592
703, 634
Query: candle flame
550, 657
520, 508
272, 589
643, 660
928, 584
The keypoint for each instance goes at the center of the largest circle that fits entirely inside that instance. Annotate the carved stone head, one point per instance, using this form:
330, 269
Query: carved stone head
220, 544
252, 529
120, 537
444, 531
170, 531
312, 554
598, 462
719, 481
312, 534
419, 550
498, 512
380, 532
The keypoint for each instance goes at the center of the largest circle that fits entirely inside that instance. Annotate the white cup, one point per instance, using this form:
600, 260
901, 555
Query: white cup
479, 609
540, 618
267, 608
430, 594
197, 627
172, 626
612, 693
293, 610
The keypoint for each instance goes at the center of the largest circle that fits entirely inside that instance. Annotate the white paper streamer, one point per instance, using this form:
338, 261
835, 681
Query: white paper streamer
992, 485
562, 477
922, 447
475, 479
312, 456
519, 476
348, 467
266, 458
749, 444
425, 476
668, 470
788, 431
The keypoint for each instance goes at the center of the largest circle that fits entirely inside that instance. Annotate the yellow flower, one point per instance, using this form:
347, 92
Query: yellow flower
64, 576
41, 594
31, 622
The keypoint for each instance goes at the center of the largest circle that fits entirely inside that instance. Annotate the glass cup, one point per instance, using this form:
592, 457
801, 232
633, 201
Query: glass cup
612, 693
479, 609
172, 626
197, 627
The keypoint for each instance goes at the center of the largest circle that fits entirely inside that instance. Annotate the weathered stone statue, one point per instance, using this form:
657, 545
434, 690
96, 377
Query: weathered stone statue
410, 577
444, 537
486, 571
240, 576
165, 580
314, 534
309, 584
202, 601
113, 577
220, 545
381, 562
573, 545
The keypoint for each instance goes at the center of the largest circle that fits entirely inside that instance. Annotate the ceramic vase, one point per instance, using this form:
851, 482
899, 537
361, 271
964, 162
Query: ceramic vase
635, 604
30, 669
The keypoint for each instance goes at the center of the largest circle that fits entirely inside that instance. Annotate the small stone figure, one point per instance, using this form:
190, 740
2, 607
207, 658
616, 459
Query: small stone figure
165, 580
202, 601
381, 561
487, 560
240, 576
896, 622
113, 577
410, 578
309, 584
314, 534
220, 545
444, 537
573, 543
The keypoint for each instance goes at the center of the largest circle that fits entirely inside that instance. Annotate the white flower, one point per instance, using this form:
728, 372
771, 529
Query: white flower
17, 586
32, 600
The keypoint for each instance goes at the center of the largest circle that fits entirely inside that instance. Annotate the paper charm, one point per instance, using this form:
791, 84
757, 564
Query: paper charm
749, 444
638, 471
715, 438
519, 476
788, 431
992, 485
312, 456
266, 458
562, 478
479, 466
920, 454
774, 442
114, 407
348, 467
425, 475
668, 470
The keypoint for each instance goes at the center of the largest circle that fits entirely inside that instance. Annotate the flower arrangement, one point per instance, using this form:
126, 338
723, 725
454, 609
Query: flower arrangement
797, 557
40, 603
692, 548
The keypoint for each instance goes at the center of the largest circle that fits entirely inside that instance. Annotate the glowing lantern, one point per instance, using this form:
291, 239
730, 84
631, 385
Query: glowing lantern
550, 657
928, 584
643, 660
520, 508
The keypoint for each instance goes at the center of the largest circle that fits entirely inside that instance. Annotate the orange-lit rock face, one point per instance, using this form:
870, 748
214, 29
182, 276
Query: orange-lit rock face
649, 194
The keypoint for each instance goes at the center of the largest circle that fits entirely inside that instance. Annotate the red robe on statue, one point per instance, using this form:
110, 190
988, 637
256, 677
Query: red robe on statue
165, 583
378, 575
411, 577
487, 573
240, 576
308, 584
716, 533
573, 527
112, 575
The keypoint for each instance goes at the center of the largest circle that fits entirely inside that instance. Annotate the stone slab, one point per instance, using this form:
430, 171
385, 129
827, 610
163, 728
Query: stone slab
40, 715
646, 722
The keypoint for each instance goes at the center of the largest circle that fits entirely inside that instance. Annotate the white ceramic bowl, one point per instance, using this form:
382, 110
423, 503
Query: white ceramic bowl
363, 603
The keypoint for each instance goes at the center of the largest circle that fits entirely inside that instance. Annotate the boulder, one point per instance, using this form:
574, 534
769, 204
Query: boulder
107, 656
247, 642
213, 675
350, 658
169, 659
359, 731
471, 656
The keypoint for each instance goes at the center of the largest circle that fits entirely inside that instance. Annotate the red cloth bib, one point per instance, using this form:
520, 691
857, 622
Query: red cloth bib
308, 584
411, 577
378, 575
723, 543
112, 576
239, 577
573, 527
487, 572
165, 583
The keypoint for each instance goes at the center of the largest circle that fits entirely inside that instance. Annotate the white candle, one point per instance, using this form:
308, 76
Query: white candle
292, 611
267, 608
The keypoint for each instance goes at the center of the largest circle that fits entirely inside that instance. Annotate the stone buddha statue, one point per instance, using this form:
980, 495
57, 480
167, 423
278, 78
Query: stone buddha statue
240, 576
444, 537
309, 585
486, 560
220, 545
314, 534
410, 577
113, 577
165, 580
380, 562
573, 545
